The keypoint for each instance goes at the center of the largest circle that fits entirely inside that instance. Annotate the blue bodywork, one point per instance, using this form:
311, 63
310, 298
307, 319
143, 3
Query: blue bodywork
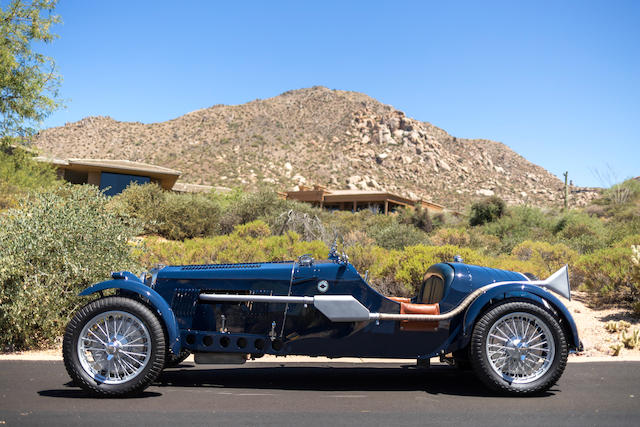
299, 329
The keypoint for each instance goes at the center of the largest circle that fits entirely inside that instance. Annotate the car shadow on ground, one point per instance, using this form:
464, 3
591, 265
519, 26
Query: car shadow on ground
73, 392
435, 380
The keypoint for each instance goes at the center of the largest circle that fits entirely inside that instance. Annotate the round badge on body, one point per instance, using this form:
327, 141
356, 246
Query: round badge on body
323, 286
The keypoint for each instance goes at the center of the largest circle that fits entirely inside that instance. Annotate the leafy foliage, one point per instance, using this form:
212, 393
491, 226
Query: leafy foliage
28, 81
19, 173
51, 247
397, 236
173, 216
247, 243
487, 210
418, 217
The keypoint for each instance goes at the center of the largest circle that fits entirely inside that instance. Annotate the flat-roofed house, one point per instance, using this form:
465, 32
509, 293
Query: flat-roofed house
355, 200
113, 176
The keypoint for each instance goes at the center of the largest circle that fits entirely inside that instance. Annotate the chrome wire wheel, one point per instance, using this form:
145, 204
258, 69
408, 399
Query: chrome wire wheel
114, 347
520, 347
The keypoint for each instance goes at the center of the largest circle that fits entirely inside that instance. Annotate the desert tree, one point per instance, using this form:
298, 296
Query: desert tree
28, 79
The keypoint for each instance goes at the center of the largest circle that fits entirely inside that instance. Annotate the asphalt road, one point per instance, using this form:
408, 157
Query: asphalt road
598, 394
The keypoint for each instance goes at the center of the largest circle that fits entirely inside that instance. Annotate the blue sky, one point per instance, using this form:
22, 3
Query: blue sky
558, 82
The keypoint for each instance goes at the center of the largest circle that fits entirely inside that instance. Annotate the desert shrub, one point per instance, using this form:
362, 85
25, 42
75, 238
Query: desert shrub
368, 257
619, 195
486, 243
343, 222
487, 210
185, 216
253, 229
418, 217
247, 243
546, 258
608, 274
356, 238
20, 173
397, 236
55, 244
308, 226
581, 232
451, 236
624, 223
266, 205
170, 215
519, 224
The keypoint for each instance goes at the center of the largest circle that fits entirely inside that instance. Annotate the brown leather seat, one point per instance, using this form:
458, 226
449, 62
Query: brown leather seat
410, 325
406, 307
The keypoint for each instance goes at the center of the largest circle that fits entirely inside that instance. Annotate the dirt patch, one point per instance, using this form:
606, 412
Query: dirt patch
591, 327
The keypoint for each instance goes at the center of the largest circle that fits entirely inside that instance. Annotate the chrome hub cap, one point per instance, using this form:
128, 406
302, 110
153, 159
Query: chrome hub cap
520, 347
114, 347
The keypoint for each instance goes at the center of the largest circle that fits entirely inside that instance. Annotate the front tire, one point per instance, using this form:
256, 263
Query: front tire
518, 348
114, 346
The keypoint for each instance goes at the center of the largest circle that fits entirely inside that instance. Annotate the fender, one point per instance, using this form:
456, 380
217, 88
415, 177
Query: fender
519, 290
131, 283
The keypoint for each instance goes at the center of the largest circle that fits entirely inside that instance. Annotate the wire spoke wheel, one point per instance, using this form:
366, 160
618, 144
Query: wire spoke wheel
520, 347
114, 347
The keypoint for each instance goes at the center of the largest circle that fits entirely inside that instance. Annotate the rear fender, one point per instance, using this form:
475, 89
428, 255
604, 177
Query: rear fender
133, 285
521, 291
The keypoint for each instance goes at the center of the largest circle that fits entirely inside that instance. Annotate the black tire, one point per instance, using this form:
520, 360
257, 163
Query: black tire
552, 361
173, 360
153, 342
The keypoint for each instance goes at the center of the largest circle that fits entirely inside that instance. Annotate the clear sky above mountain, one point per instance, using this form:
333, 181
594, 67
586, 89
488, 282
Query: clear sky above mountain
558, 82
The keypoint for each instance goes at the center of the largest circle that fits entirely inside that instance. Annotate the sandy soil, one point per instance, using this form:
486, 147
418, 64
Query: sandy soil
591, 327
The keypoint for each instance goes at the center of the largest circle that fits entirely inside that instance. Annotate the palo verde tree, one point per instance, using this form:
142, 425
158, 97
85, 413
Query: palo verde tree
28, 79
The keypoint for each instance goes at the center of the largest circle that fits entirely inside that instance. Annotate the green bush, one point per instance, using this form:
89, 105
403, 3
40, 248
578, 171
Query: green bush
486, 211
451, 236
519, 224
545, 258
171, 215
242, 208
608, 274
418, 217
248, 243
397, 236
51, 247
581, 232
20, 173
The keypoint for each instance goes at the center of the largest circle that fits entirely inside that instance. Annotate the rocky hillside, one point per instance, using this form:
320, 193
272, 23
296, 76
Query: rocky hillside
316, 136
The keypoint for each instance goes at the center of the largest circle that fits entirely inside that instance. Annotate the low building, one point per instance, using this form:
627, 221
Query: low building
113, 176
355, 200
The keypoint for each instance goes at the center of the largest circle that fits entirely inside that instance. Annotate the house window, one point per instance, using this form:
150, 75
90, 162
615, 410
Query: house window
117, 182
75, 177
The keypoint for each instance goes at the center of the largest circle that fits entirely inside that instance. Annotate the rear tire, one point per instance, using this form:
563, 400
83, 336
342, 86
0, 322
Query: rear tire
114, 346
518, 348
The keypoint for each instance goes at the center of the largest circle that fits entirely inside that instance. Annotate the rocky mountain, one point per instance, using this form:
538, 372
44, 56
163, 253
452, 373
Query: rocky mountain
334, 138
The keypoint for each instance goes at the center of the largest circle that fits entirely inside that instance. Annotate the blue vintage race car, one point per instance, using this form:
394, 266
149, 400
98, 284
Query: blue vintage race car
509, 329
